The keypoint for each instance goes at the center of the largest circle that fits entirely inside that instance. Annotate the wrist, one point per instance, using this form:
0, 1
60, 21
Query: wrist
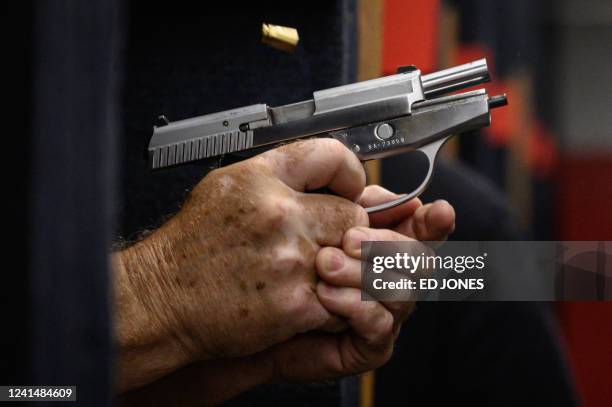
149, 337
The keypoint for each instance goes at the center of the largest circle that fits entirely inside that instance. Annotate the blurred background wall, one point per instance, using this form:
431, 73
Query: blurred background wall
581, 113
550, 150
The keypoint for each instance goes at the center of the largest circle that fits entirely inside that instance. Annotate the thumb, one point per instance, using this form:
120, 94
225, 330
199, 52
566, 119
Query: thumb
317, 163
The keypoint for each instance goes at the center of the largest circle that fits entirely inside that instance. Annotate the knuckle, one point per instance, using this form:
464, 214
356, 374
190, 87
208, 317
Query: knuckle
382, 325
227, 180
335, 146
286, 263
337, 150
277, 209
296, 255
324, 258
333, 267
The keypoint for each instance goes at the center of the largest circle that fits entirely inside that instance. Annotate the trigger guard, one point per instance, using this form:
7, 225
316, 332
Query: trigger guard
431, 151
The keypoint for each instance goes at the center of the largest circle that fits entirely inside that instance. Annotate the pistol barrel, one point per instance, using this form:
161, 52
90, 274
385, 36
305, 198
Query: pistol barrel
459, 77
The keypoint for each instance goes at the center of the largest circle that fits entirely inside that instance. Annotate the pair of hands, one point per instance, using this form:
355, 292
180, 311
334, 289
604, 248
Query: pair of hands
255, 280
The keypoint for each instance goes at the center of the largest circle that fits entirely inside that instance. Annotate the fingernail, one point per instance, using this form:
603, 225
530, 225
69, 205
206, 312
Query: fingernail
334, 262
355, 237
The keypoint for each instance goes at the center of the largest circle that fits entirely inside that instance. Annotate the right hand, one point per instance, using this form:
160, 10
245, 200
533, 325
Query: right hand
233, 272
315, 356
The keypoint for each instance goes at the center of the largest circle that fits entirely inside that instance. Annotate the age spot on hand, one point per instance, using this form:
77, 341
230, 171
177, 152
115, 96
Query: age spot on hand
229, 219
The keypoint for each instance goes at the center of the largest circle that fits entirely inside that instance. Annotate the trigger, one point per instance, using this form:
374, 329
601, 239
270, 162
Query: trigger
431, 151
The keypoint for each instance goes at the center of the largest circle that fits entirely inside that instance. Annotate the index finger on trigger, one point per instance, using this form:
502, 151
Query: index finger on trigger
375, 195
317, 163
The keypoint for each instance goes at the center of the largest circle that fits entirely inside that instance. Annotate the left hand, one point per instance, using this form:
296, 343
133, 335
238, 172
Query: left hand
372, 326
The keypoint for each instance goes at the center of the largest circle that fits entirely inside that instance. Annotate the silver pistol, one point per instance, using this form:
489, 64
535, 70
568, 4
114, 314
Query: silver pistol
374, 119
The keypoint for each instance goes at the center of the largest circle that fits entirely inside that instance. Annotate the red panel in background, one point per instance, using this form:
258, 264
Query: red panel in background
410, 34
540, 151
584, 205
587, 330
584, 198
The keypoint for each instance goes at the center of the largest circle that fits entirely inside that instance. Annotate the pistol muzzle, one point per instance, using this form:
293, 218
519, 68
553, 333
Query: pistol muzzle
458, 77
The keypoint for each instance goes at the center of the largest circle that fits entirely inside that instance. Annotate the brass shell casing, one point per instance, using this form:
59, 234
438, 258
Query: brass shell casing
279, 37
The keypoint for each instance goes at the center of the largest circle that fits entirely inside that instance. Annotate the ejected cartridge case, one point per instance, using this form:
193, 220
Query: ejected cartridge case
279, 37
